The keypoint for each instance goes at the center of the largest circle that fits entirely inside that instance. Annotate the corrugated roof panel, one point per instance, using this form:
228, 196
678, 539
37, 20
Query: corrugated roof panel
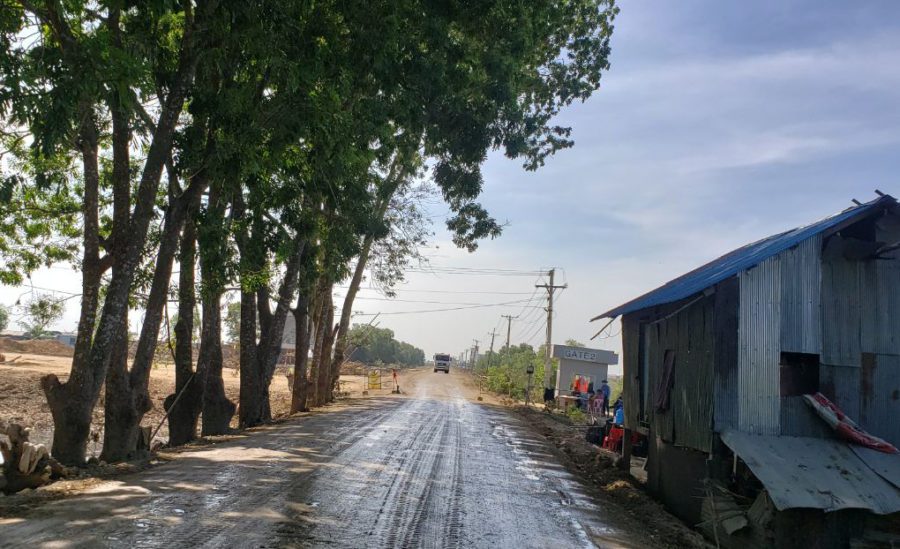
886, 465
738, 260
815, 473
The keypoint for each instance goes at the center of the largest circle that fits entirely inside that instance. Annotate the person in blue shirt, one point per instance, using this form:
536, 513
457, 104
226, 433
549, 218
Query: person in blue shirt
619, 417
605, 390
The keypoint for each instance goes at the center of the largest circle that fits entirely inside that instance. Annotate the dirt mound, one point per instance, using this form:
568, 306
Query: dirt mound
351, 368
613, 483
49, 347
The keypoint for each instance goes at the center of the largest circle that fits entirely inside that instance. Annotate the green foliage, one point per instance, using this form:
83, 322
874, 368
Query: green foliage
40, 312
4, 317
577, 416
232, 321
616, 386
372, 345
507, 369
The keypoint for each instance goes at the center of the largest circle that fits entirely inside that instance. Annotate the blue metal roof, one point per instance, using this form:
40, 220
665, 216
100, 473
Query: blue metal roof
741, 259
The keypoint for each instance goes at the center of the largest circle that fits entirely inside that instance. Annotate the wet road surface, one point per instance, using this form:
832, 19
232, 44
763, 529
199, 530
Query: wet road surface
432, 468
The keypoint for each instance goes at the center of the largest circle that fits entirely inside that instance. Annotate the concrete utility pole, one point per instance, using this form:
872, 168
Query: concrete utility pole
509, 319
548, 388
491, 352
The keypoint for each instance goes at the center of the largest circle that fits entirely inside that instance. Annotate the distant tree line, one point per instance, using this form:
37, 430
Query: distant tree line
371, 345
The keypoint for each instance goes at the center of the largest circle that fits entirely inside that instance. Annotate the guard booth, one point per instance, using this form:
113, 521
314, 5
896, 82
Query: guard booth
581, 364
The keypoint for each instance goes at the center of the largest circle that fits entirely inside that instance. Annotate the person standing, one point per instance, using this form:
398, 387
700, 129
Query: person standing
604, 389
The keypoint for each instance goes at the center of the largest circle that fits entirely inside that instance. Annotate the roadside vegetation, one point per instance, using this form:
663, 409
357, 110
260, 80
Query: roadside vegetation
373, 345
194, 151
506, 370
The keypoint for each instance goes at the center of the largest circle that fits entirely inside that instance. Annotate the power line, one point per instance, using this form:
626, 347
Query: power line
420, 301
430, 291
534, 333
445, 310
473, 272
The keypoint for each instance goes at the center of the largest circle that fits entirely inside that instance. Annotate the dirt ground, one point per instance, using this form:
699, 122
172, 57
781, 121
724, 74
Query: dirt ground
618, 499
613, 485
22, 399
432, 467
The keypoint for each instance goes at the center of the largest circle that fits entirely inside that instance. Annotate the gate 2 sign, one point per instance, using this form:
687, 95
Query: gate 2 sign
597, 356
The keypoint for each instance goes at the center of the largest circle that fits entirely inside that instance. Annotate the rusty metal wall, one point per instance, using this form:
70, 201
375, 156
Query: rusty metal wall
880, 396
689, 333
840, 383
801, 310
692, 394
725, 366
880, 301
861, 335
759, 341
631, 397
841, 321
687, 329
801, 326
799, 420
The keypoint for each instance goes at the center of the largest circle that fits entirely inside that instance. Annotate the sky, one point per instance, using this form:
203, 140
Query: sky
718, 123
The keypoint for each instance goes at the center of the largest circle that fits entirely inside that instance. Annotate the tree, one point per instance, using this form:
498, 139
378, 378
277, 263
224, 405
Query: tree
371, 345
232, 321
307, 129
88, 76
4, 317
42, 311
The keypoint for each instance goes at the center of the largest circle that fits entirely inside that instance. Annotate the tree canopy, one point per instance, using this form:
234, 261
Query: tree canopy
271, 148
373, 345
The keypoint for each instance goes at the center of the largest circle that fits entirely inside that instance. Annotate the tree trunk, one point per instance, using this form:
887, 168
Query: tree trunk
343, 328
335, 368
122, 410
269, 354
317, 332
250, 395
71, 402
258, 361
71, 414
323, 356
185, 403
127, 403
217, 409
301, 352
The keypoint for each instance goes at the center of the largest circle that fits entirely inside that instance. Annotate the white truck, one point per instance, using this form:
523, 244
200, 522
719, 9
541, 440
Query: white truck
442, 363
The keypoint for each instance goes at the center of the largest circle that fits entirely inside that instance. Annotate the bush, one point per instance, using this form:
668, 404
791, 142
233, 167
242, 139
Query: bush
576, 415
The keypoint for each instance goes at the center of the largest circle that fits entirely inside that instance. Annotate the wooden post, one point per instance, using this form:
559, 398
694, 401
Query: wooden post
626, 450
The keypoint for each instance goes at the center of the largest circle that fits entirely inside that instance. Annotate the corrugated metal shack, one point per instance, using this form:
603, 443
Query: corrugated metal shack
726, 351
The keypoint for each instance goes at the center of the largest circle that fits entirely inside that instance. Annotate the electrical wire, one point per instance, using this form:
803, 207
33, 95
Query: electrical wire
473, 271
443, 310
401, 290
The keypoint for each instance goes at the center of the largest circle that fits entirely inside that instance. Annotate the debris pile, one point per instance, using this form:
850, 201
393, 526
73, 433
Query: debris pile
25, 464
48, 347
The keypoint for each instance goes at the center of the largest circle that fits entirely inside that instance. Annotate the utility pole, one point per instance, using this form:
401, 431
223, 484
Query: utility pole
548, 388
475, 355
491, 352
509, 319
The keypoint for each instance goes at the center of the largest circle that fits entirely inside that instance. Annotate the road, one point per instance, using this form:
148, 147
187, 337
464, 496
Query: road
430, 468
